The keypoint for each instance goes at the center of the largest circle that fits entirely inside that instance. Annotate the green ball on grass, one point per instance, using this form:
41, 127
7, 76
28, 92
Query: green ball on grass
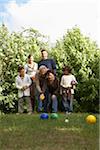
54, 116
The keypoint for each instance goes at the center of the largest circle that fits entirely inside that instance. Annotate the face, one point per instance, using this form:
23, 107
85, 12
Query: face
44, 55
22, 73
43, 71
30, 60
66, 72
51, 77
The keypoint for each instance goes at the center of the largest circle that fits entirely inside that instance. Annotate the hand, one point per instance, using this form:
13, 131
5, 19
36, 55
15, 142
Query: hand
24, 87
33, 78
69, 88
73, 82
42, 97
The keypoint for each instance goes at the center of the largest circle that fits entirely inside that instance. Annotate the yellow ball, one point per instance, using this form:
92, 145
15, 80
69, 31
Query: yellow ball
42, 97
91, 119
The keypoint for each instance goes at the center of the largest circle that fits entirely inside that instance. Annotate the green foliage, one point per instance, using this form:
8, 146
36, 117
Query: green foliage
82, 55
14, 49
74, 49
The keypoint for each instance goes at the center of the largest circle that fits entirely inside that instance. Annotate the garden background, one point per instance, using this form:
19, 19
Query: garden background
74, 49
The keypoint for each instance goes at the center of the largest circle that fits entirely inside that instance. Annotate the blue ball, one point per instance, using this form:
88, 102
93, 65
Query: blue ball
44, 116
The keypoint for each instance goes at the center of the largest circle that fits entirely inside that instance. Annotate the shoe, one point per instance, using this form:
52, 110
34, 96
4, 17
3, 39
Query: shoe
29, 113
17, 113
68, 113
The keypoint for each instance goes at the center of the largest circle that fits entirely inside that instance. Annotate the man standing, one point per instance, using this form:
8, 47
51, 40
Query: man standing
49, 63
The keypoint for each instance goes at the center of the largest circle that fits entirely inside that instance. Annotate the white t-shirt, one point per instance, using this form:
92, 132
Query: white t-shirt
31, 71
26, 81
66, 81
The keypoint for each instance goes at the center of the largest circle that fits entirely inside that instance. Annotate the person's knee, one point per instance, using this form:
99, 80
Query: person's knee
53, 97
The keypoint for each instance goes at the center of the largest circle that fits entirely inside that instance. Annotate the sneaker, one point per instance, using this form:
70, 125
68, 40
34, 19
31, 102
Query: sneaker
68, 113
29, 113
17, 113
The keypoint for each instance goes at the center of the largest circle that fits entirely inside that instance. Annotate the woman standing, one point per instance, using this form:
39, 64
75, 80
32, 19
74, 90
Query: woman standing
31, 69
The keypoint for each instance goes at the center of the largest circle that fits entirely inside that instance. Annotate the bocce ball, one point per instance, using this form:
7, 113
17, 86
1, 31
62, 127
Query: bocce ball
66, 120
91, 119
44, 116
54, 116
42, 97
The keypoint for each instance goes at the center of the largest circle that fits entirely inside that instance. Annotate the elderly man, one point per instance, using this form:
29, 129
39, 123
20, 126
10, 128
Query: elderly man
42, 88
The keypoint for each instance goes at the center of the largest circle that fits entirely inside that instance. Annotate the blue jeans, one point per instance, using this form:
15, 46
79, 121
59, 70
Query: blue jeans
67, 102
44, 102
53, 100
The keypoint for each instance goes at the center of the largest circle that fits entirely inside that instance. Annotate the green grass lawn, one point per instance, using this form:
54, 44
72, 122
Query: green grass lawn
28, 132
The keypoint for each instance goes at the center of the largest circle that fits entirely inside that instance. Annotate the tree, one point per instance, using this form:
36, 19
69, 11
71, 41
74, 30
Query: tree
82, 54
74, 49
14, 49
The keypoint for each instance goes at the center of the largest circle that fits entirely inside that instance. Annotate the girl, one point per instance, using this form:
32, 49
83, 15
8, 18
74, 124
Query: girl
67, 86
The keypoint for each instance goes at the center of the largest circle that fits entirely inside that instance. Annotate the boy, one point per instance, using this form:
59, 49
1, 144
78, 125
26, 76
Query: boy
23, 83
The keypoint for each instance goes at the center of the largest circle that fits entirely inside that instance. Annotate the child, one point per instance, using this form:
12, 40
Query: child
67, 86
23, 83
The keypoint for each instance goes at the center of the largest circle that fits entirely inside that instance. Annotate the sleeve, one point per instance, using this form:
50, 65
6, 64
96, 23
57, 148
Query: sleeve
26, 68
38, 84
57, 87
61, 85
54, 66
74, 79
18, 86
73, 82
29, 81
36, 66
62, 81
44, 86
39, 64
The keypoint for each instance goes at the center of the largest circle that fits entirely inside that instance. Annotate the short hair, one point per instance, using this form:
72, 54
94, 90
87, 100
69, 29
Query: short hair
29, 56
50, 71
20, 68
67, 68
42, 66
42, 50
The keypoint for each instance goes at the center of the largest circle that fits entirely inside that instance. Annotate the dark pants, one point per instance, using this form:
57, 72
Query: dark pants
43, 103
32, 93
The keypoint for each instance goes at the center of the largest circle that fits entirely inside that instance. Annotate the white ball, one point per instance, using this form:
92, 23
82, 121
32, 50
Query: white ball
66, 120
